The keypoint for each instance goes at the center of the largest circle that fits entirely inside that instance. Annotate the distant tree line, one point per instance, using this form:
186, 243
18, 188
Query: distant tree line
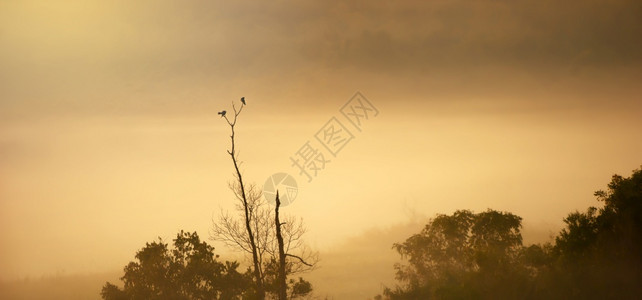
466, 255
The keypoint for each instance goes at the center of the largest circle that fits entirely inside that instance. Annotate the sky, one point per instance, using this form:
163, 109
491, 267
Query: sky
109, 133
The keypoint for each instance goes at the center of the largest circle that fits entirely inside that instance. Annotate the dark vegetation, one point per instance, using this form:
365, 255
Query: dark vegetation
188, 271
466, 255
191, 270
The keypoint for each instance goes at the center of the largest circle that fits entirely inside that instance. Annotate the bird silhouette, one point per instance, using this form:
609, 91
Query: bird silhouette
222, 113
243, 100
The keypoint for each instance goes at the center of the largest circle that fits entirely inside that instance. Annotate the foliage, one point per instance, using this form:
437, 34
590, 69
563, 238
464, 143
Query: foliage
464, 255
598, 254
296, 288
189, 271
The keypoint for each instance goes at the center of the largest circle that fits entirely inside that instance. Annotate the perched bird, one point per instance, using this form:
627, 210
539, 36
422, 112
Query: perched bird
243, 100
222, 113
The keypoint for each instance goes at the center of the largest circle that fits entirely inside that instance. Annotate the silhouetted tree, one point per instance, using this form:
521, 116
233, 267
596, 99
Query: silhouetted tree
257, 234
247, 207
189, 271
462, 256
597, 255
299, 257
294, 288
281, 275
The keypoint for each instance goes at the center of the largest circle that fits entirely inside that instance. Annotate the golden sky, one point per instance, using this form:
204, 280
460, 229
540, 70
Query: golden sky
109, 135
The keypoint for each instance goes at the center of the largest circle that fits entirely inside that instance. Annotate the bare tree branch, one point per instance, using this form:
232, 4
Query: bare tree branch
300, 259
253, 229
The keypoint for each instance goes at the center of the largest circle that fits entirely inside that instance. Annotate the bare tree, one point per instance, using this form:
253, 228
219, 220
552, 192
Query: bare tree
283, 265
231, 231
255, 233
248, 207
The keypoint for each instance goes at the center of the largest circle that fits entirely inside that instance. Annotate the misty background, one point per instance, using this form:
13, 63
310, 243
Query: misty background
109, 135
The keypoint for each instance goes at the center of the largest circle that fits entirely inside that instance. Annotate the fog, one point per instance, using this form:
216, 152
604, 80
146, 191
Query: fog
110, 138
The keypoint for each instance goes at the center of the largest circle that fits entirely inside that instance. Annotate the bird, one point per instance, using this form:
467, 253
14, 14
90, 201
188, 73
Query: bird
243, 100
222, 113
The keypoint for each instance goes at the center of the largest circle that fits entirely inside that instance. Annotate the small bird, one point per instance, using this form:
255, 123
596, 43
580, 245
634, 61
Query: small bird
222, 113
243, 100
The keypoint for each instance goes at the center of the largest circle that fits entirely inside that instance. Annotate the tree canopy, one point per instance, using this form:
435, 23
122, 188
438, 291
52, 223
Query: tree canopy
188, 271
463, 255
597, 255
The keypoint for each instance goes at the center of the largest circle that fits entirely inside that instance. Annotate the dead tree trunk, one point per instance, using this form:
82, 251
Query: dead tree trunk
260, 290
279, 238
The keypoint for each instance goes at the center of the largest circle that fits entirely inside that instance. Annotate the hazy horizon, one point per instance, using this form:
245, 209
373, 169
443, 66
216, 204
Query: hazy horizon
109, 133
